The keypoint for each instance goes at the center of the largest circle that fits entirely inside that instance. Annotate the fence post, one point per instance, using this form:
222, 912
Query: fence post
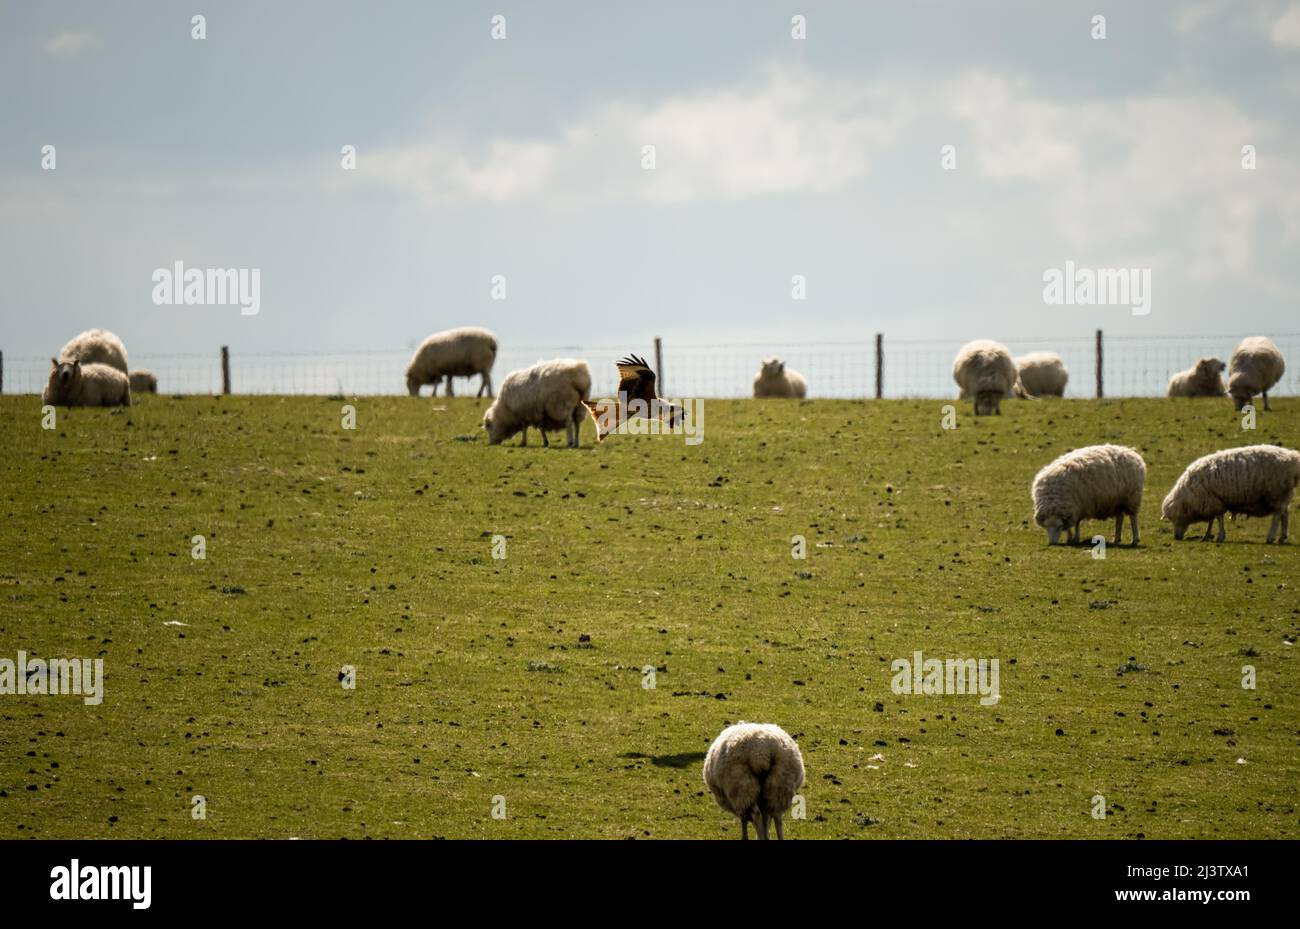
225, 369
1100, 392
880, 365
659, 365
2, 372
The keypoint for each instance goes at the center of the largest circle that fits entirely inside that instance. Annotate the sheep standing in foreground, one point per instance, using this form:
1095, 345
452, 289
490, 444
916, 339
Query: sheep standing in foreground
96, 346
1257, 480
1255, 367
143, 381
753, 771
1043, 374
985, 370
454, 353
1205, 379
549, 395
1096, 482
72, 383
774, 379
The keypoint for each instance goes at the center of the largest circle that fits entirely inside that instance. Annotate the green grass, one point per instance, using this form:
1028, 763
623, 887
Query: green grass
373, 548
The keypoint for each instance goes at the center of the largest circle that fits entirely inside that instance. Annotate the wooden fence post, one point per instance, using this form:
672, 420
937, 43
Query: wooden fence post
659, 365
880, 365
2, 372
1100, 392
225, 369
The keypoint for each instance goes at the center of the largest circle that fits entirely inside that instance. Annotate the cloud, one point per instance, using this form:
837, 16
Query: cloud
1285, 30
788, 132
69, 44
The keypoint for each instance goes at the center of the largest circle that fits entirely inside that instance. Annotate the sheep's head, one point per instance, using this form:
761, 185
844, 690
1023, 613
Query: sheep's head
1209, 367
412, 384
988, 402
1175, 510
1053, 523
497, 431
773, 367
64, 374
1241, 394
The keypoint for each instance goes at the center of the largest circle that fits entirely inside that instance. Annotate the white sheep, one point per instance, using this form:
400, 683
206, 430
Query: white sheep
1255, 480
774, 379
984, 369
143, 381
460, 352
1255, 367
96, 346
1204, 379
1096, 482
753, 771
72, 383
1043, 374
548, 396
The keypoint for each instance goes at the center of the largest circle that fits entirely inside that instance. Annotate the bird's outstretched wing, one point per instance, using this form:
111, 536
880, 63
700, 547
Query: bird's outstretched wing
636, 378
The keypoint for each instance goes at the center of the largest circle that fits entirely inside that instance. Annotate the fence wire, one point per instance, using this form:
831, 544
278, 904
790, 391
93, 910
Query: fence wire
1133, 366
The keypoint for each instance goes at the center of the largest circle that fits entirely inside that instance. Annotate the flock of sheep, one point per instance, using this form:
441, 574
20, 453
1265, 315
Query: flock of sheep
754, 770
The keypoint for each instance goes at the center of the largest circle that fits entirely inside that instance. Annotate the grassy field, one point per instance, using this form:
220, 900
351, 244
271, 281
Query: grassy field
521, 678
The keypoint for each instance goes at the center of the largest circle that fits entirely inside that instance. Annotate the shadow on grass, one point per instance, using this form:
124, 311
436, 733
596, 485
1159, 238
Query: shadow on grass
680, 760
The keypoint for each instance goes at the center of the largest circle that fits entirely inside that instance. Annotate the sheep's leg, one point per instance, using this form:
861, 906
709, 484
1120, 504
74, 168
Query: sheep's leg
1223, 532
1119, 527
744, 829
449, 390
435, 388
523, 440
487, 379
1272, 529
1266, 406
1286, 525
1209, 528
1133, 521
780, 834
761, 826
545, 442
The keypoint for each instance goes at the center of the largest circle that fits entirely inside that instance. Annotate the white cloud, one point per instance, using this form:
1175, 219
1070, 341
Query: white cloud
1285, 30
789, 132
69, 44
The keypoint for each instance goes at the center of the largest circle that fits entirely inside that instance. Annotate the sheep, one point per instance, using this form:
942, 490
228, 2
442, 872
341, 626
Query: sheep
984, 370
1255, 367
143, 381
96, 346
1043, 374
1255, 480
753, 771
549, 395
774, 379
72, 383
1205, 379
460, 352
1095, 482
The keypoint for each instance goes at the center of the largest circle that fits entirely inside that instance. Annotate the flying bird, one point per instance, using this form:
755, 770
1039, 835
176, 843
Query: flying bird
636, 398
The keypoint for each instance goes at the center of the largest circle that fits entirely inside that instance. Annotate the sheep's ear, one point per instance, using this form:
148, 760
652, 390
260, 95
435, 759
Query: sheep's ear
54, 363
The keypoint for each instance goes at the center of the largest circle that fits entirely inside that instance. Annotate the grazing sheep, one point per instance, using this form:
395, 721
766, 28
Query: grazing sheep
1255, 367
1096, 482
96, 346
1257, 480
753, 771
143, 381
549, 395
984, 370
1203, 380
1043, 374
454, 353
72, 383
775, 380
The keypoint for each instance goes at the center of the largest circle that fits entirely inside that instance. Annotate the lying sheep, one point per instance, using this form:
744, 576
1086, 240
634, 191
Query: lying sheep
549, 395
1257, 480
72, 383
143, 381
753, 771
454, 353
774, 379
1205, 379
1096, 482
1043, 374
96, 346
1256, 366
984, 370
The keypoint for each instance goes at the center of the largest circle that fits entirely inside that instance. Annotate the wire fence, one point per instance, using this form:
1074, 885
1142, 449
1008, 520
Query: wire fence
1132, 366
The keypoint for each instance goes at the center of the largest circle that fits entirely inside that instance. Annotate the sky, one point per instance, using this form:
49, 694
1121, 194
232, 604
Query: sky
523, 157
